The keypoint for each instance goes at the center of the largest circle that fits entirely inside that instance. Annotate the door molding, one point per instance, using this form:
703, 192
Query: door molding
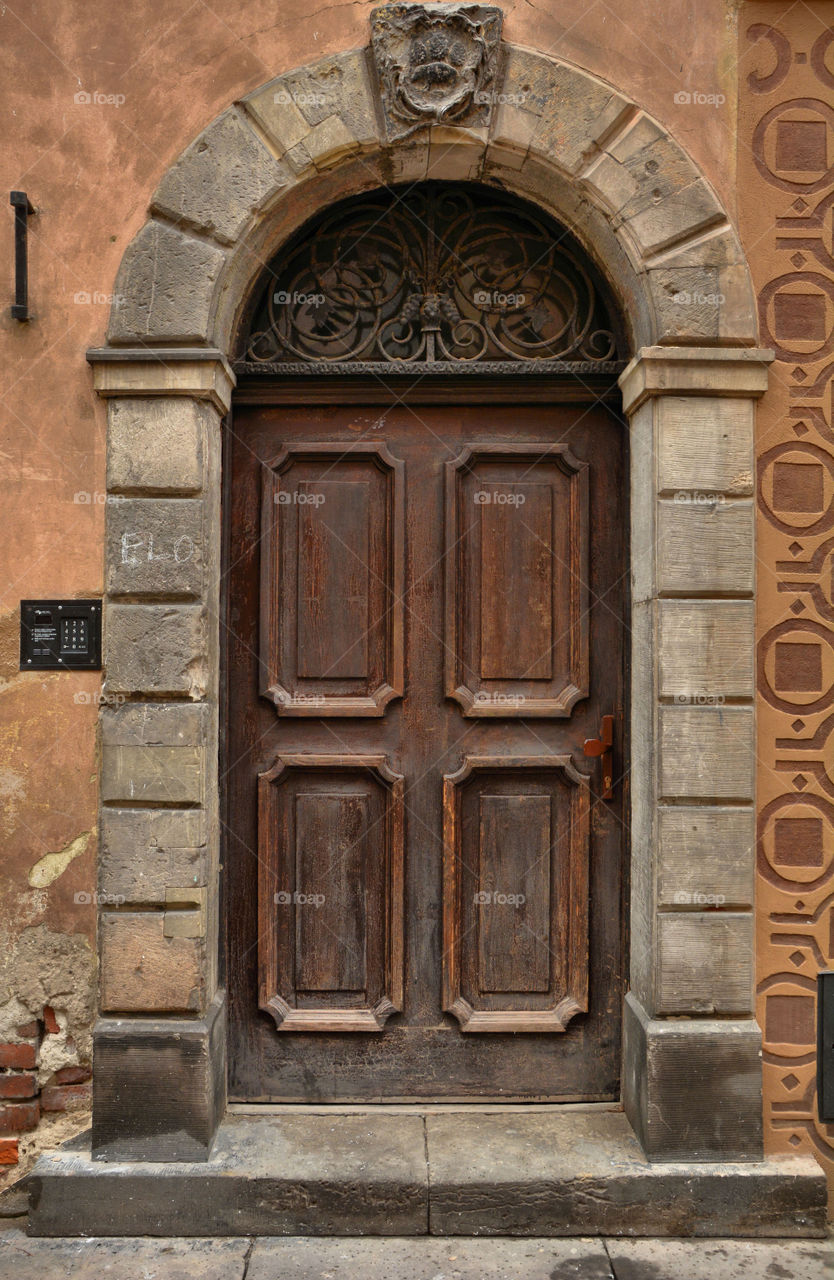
581, 151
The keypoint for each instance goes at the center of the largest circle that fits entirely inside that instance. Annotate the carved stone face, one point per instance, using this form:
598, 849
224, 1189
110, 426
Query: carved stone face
434, 63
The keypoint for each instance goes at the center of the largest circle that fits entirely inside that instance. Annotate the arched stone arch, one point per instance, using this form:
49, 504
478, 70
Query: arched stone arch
571, 143
558, 135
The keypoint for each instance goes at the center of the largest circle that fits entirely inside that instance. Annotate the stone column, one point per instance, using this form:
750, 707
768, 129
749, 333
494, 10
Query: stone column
692, 1051
159, 1080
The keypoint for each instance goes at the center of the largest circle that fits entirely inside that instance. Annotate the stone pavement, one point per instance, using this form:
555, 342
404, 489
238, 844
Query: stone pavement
412, 1258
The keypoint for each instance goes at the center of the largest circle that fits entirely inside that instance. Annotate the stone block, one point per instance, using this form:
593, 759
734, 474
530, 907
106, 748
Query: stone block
158, 443
153, 754
693, 1089
706, 753
221, 180
145, 851
706, 650
155, 547
143, 971
705, 855
164, 287
159, 1089
705, 545
155, 649
704, 962
335, 87
704, 445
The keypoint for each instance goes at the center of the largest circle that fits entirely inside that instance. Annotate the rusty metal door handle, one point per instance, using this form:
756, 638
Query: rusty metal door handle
603, 746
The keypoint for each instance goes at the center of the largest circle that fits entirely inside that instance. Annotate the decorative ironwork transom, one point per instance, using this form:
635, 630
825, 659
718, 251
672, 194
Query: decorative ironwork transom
434, 274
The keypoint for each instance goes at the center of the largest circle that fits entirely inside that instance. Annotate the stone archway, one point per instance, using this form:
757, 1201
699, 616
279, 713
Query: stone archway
572, 144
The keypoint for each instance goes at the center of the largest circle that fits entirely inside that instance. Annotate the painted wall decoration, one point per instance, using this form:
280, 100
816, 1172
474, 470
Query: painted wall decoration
786, 215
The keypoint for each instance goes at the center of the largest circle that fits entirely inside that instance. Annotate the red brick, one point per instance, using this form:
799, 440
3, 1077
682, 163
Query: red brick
8, 1150
72, 1075
50, 1022
20, 1085
17, 1055
29, 1031
19, 1117
65, 1097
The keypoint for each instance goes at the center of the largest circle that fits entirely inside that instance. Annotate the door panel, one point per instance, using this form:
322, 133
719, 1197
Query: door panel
424, 623
515, 901
517, 580
330, 918
332, 580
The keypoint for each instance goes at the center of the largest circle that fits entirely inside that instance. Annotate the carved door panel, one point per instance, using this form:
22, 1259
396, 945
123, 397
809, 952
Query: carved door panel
425, 623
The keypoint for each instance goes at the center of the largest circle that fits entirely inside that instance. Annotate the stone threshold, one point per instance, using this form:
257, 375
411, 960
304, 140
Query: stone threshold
450, 1173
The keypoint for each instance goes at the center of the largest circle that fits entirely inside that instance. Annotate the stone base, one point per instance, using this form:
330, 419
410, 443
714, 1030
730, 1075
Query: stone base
692, 1089
159, 1086
536, 1171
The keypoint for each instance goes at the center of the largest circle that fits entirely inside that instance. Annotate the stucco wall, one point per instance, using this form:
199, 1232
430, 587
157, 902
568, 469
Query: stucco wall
104, 99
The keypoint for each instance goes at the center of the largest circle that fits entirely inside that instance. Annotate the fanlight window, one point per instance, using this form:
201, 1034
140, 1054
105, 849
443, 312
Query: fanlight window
432, 274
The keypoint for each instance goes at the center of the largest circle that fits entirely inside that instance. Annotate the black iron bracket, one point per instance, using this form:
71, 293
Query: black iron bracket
22, 208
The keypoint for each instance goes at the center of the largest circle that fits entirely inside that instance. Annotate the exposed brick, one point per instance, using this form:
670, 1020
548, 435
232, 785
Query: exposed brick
8, 1151
72, 1075
50, 1022
17, 1055
19, 1117
65, 1097
29, 1031
20, 1085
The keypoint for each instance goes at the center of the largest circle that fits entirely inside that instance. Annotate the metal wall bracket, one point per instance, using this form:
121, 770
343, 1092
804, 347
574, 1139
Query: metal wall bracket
22, 208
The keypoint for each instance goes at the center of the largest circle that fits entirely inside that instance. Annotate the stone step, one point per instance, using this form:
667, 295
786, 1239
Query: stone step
544, 1172
410, 1258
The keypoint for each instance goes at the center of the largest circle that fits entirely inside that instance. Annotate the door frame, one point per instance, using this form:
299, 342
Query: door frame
689, 394
473, 387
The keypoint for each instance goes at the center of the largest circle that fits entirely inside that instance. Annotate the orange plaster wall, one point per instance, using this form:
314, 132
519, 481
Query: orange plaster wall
786, 197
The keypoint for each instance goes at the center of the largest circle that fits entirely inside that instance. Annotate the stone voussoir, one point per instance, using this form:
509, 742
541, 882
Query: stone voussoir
165, 287
223, 178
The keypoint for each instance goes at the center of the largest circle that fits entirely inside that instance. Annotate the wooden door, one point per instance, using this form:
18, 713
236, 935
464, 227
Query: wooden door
424, 624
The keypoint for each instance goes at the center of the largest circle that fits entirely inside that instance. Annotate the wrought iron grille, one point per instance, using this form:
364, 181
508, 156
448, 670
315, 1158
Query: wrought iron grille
434, 275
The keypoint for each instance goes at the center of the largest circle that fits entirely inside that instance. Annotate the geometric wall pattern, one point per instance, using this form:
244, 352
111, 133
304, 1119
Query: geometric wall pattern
786, 219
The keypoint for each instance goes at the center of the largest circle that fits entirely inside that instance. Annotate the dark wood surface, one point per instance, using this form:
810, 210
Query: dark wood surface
434, 606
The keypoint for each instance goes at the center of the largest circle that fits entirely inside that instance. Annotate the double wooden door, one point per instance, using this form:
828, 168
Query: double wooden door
424, 624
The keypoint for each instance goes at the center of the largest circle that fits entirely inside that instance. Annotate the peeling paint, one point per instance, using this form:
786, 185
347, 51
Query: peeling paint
53, 865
